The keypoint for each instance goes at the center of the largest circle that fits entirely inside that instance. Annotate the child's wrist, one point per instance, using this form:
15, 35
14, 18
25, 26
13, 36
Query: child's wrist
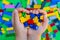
34, 37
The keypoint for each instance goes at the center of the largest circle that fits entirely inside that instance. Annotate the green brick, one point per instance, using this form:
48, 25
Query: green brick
10, 9
0, 5
6, 16
54, 28
39, 2
24, 3
57, 36
47, 4
24, 14
46, 31
58, 4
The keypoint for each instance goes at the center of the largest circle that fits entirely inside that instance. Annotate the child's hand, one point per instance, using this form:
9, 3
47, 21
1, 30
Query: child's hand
35, 34
21, 32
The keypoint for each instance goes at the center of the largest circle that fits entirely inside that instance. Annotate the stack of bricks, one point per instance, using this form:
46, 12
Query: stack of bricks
50, 6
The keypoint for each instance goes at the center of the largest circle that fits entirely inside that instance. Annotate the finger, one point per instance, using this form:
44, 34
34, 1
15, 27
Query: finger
16, 18
37, 12
42, 11
34, 11
23, 10
45, 22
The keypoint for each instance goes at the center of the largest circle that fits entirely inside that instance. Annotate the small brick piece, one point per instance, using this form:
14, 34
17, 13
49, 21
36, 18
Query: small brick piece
48, 0
1, 10
52, 24
47, 37
55, 31
30, 21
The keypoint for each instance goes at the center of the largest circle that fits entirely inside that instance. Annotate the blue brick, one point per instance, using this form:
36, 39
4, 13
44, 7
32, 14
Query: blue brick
1, 21
54, 35
18, 5
32, 15
38, 15
25, 24
52, 17
0, 33
3, 6
7, 13
58, 27
34, 27
9, 23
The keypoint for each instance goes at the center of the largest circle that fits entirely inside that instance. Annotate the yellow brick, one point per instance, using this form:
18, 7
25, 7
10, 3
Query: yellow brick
46, 8
44, 38
38, 24
37, 6
57, 15
6, 19
10, 28
6, 2
35, 20
51, 9
27, 17
55, 8
22, 19
51, 14
49, 28
42, 0
3, 32
28, 2
41, 17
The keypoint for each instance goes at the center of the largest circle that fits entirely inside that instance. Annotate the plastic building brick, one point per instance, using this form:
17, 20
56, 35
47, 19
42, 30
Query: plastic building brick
49, 28
11, 28
5, 2
52, 17
9, 6
35, 1
1, 13
47, 37
32, 15
6, 17
28, 2
30, 21
1, 10
54, 35
9, 9
37, 6
46, 8
18, 5
0, 33
23, 14
22, 19
52, 24
55, 31
26, 24
38, 24
57, 15
35, 19
34, 27
58, 4
8, 23
48, 0
27, 17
